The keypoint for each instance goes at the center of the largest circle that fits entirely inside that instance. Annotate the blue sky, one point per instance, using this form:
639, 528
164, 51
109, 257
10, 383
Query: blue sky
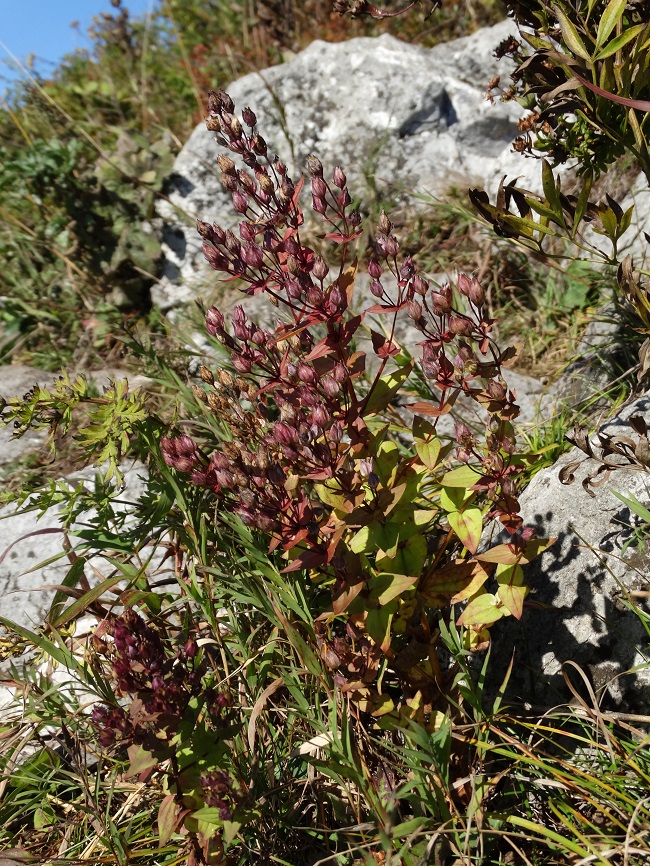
42, 27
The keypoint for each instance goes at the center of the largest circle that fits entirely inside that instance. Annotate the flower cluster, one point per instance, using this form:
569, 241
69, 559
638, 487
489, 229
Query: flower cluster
287, 413
160, 681
268, 253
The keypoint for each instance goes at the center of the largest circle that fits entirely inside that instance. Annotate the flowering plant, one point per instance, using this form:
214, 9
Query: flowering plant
382, 513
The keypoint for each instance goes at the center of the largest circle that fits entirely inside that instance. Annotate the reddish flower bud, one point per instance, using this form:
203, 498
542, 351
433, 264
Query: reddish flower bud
318, 187
259, 145
420, 286
314, 166
330, 386
414, 310
214, 321
496, 390
241, 364
248, 116
476, 293
377, 289
319, 269
214, 257
252, 255
343, 198
318, 204
239, 201
306, 373
247, 232
386, 245
384, 225
339, 373
441, 301
460, 325
354, 218
314, 297
266, 184
407, 270
232, 243
226, 164
235, 127
338, 177
336, 299
284, 434
375, 270
320, 416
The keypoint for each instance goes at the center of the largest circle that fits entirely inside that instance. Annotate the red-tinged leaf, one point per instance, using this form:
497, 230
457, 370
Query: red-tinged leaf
384, 348
345, 281
512, 597
338, 238
455, 582
356, 364
140, 761
308, 559
386, 587
505, 554
167, 819
344, 599
320, 350
468, 526
431, 410
483, 609
384, 308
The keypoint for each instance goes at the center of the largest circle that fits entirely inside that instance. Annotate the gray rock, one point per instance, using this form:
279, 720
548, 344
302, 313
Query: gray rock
633, 242
32, 553
576, 610
416, 119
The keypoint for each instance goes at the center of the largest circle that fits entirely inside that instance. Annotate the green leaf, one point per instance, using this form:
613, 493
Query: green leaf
72, 578
140, 759
609, 19
483, 609
581, 203
619, 42
453, 498
386, 587
512, 598
378, 623
551, 193
385, 389
167, 817
570, 35
462, 476
209, 814
512, 591
428, 451
81, 604
468, 526
408, 559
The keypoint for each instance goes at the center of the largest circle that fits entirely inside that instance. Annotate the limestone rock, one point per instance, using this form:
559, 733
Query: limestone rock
578, 606
28, 546
413, 118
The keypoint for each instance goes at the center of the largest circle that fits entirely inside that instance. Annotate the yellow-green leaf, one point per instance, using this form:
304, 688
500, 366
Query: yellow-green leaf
619, 42
609, 19
462, 476
428, 451
385, 587
453, 498
570, 35
483, 609
468, 526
